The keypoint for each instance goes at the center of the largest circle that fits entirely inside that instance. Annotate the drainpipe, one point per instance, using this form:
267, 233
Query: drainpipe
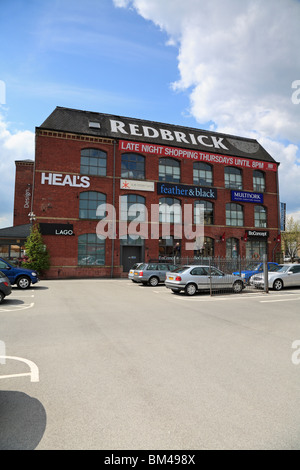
114, 220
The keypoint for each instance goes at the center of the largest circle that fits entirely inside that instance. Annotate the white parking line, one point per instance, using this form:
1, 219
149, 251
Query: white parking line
280, 300
17, 307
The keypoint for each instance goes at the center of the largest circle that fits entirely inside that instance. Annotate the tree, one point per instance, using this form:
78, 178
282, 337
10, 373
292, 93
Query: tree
291, 237
36, 251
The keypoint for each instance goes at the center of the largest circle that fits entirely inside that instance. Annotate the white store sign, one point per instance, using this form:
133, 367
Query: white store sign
137, 185
58, 179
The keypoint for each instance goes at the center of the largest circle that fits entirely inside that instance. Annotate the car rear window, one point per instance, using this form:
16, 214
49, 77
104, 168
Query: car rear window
180, 270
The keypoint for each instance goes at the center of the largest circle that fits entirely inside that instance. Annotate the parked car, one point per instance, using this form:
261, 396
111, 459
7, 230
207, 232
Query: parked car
5, 286
152, 273
254, 268
22, 277
253, 281
131, 271
287, 275
193, 278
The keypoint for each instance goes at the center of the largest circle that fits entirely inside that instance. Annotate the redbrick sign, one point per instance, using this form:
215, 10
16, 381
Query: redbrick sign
195, 155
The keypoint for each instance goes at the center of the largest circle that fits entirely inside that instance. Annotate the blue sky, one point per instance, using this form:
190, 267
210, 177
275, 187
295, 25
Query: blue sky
223, 65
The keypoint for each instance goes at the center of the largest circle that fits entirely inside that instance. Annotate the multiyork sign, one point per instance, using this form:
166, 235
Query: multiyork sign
169, 189
56, 229
245, 196
58, 179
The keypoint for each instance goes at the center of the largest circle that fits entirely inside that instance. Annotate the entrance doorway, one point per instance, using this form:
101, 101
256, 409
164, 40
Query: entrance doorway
130, 255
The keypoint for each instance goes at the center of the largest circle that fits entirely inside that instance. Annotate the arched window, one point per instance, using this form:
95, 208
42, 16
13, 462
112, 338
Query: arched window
259, 183
260, 216
234, 214
233, 177
93, 162
133, 166
88, 203
208, 215
232, 248
169, 170
169, 210
207, 250
202, 173
91, 250
133, 206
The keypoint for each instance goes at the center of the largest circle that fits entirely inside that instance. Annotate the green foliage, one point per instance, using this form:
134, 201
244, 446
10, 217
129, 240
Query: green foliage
291, 237
36, 251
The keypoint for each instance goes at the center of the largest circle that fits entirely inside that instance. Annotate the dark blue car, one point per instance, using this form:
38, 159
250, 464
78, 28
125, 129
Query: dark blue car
255, 268
22, 277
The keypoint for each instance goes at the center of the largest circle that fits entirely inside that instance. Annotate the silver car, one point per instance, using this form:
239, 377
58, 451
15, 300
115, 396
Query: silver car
131, 271
152, 273
193, 278
287, 275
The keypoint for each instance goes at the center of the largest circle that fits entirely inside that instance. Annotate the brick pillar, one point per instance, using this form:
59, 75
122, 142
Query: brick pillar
23, 191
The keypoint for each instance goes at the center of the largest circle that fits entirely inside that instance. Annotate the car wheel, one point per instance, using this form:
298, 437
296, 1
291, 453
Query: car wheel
1, 297
237, 287
23, 282
278, 284
191, 289
153, 281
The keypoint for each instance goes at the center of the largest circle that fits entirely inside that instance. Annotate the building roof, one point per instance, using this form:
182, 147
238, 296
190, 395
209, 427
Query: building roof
18, 231
132, 129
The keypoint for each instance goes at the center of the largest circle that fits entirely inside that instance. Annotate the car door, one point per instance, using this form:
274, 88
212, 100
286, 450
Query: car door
294, 277
219, 280
162, 269
7, 270
199, 275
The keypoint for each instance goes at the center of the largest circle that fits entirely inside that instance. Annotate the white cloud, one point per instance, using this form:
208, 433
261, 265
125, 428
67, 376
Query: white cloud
239, 60
18, 145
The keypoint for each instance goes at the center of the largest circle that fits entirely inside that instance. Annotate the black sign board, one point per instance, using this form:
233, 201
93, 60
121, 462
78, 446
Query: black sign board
56, 229
257, 234
171, 189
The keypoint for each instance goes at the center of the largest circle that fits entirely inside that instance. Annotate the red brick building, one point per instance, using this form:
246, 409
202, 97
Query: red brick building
129, 167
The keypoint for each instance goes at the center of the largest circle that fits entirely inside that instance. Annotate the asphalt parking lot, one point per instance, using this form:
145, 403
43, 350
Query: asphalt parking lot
116, 365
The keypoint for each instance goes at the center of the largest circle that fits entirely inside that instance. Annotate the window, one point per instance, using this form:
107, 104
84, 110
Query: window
295, 269
260, 216
202, 173
169, 210
91, 250
232, 248
259, 183
168, 247
207, 249
133, 206
93, 162
169, 170
255, 249
88, 203
233, 177
208, 215
133, 166
234, 214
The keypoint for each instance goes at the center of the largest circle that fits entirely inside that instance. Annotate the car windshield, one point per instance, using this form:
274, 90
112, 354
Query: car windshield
283, 269
252, 266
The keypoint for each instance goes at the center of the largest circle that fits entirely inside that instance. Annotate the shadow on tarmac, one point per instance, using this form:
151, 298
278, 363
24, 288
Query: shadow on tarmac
23, 421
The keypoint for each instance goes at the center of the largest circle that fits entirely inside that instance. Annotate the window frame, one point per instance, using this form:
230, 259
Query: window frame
231, 217
87, 165
136, 159
233, 173
165, 175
